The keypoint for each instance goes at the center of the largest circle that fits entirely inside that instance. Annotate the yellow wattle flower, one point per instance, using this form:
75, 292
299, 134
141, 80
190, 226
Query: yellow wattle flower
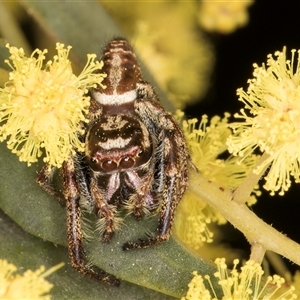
207, 141
223, 16
42, 106
270, 120
247, 284
30, 285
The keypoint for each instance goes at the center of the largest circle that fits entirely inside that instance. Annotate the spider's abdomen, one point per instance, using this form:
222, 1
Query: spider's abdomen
116, 143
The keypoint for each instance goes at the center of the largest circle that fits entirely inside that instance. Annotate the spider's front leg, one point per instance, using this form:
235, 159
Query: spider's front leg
74, 232
172, 160
44, 178
105, 212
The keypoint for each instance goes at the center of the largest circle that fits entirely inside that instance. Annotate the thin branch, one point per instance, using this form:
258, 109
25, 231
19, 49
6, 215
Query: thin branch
242, 193
257, 252
241, 217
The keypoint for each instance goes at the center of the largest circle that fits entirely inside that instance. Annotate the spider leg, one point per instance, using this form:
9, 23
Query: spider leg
74, 233
43, 179
142, 201
172, 161
104, 210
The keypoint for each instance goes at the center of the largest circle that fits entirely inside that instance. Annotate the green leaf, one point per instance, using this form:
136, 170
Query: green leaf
28, 252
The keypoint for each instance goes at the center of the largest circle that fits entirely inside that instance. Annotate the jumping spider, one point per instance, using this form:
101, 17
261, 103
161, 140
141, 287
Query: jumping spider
135, 157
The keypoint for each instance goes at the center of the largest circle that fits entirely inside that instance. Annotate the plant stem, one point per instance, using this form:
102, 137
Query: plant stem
257, 252
242, 193
241, 217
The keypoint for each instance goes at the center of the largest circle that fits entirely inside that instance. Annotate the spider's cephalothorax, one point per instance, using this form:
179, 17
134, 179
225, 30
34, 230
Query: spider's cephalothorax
135, 159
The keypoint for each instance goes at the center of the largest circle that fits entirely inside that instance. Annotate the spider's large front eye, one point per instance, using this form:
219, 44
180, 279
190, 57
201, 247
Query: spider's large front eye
126, 162
109, 165
106, 165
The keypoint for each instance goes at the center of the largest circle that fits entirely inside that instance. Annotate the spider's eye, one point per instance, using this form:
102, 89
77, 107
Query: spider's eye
94, 160
109, 165
106, 165
126, 162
